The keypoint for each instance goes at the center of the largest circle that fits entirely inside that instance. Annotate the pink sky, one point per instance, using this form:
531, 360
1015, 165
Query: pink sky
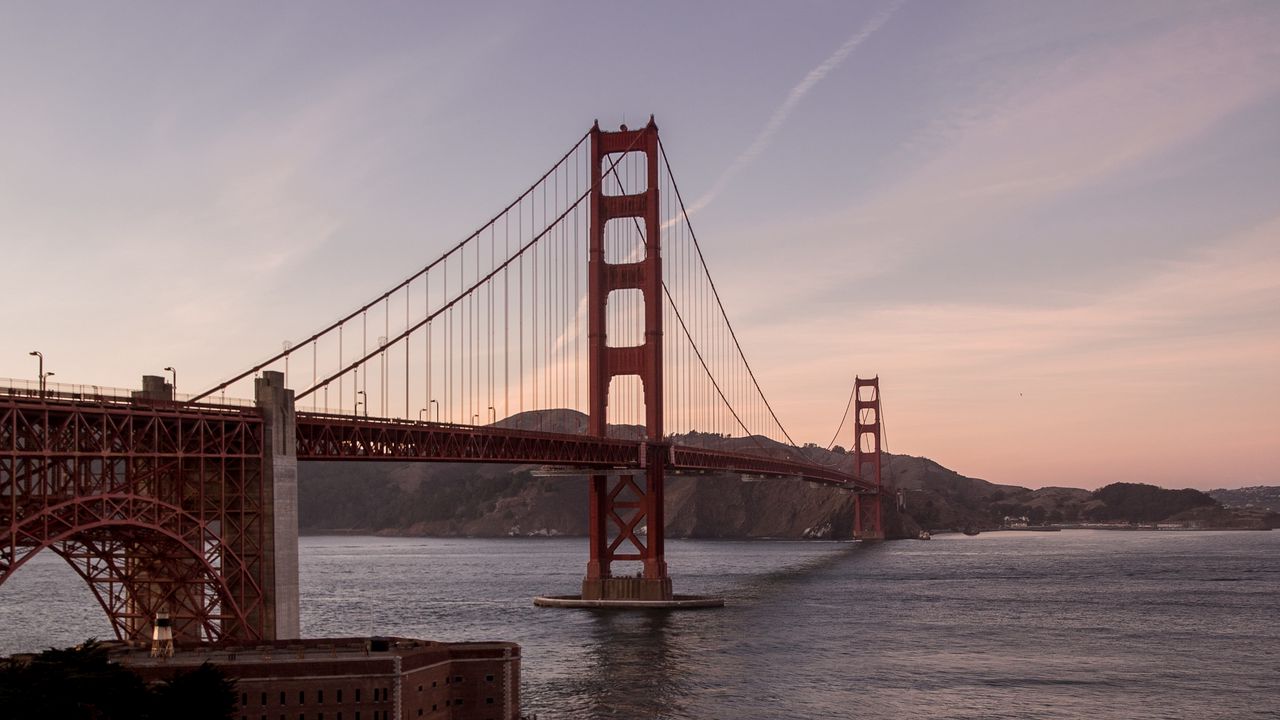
1052, 229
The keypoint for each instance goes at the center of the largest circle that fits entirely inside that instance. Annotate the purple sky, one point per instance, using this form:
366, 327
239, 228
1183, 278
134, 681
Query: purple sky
1052, 228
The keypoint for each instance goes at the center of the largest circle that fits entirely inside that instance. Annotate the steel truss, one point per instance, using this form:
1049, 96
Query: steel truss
159, 507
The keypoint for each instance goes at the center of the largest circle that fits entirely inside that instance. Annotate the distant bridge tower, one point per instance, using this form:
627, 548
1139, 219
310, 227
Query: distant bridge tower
621, 504
866, 458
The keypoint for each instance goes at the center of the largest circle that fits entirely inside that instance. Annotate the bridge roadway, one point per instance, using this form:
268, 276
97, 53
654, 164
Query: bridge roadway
70, 425
344, 437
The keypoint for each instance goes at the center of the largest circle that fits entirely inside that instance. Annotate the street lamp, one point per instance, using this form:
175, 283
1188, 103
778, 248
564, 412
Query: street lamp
493, 415
40, 372
175, 381
421, 413
437, 406
475, 419
359, 393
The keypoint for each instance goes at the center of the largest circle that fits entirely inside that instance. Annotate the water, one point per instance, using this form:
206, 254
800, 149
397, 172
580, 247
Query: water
1003, 625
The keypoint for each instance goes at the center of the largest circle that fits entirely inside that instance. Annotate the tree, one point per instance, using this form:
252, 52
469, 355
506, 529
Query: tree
82, 683
201, 694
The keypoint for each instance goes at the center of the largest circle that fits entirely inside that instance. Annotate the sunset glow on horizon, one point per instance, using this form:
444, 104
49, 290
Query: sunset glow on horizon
1053, 231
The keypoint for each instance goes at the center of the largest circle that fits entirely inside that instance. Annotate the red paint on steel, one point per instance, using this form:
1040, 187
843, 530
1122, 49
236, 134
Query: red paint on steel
158, 506
866, 459
621, 505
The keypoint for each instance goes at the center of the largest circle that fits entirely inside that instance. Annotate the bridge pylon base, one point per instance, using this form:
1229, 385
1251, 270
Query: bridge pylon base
626, 588
867, 523
675, 602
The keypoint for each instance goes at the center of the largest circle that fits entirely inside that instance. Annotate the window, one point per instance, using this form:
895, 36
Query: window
488, 701
264, 699
282, 700
302, 700
320, 699
433, 683
457, 678
244, 698
488, 678
357, 694
419, 687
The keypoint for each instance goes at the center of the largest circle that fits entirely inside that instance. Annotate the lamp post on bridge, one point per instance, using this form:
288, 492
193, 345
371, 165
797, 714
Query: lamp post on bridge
39, 371
437, 407
493, 416
365, 402
475, 419
422, 412
174, 384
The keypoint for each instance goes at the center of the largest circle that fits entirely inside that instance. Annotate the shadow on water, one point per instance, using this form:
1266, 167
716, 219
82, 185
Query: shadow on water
757, 587
671, 664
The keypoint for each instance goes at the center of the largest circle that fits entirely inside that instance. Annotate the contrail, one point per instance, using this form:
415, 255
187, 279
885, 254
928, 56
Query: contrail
746, 157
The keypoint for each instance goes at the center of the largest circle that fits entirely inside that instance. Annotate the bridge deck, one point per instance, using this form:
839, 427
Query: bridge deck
323, 436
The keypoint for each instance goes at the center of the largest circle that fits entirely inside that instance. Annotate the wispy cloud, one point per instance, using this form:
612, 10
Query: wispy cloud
797, 93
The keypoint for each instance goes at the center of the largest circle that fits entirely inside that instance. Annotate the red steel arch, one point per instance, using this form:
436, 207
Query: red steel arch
141, 556
159, 506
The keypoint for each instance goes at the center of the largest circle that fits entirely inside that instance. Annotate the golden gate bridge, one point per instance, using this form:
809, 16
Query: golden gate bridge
588, 292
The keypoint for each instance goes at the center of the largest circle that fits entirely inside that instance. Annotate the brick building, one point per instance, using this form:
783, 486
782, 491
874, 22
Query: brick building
356, 678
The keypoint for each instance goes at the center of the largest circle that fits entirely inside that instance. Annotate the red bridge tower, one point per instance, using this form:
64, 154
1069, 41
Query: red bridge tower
866, 458
623, 503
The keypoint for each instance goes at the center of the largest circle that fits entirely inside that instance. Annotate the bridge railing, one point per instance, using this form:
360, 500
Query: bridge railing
15, 387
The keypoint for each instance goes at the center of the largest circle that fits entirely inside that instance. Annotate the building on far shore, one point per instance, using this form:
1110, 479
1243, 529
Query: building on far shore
373, 678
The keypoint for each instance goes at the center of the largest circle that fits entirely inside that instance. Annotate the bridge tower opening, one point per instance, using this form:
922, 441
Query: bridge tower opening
866, 458
621, 504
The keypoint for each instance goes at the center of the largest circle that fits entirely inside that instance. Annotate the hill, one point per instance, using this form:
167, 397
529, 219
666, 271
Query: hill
449, 499
1262, 497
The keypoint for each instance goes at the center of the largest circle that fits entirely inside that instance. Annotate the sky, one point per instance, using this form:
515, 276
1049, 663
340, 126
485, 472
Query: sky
1052, 229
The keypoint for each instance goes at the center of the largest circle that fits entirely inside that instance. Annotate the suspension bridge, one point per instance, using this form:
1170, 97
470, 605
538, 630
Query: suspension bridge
588, 292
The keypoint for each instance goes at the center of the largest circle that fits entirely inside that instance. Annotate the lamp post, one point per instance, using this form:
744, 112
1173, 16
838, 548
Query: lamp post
437, 407
493, 415
421, 413
475, 419
286, 346
40, 371
174, 385
359, 394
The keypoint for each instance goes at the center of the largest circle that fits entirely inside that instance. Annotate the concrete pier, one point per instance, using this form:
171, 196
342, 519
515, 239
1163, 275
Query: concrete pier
280, 481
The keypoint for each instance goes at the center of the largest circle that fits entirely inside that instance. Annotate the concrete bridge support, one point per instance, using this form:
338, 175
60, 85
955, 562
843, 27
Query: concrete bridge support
280, 485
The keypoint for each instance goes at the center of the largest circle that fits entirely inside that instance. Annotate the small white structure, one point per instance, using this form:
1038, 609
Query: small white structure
162, 637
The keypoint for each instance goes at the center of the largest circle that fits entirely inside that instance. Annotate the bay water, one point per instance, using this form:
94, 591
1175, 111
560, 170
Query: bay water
1074, 624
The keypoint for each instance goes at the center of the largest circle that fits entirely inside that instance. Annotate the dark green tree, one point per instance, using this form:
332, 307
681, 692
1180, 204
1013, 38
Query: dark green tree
201, 694
82, 683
